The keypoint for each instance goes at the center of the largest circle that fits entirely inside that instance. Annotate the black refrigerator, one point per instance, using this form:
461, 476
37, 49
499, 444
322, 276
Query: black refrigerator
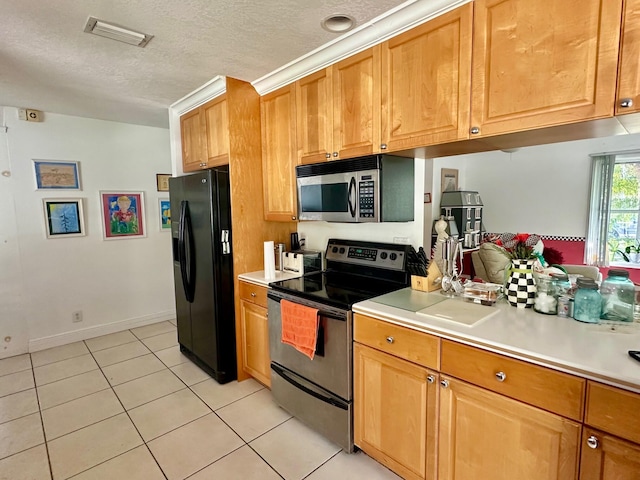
203, 270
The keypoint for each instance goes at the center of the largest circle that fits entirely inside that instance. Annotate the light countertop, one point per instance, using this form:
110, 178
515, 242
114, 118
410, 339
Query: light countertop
259, 279
591, 351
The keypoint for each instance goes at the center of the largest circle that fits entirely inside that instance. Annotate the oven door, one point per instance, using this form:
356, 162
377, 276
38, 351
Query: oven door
331, 367
332, 197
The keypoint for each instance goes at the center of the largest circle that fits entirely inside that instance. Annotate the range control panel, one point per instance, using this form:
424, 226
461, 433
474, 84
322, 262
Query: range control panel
371, 254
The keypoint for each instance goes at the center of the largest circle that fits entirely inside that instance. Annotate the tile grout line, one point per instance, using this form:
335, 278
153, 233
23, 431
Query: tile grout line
44, 436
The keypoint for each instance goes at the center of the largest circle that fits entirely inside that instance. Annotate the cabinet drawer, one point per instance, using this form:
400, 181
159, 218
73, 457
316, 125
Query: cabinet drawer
417, 347
253, 293
613, 410
545, 388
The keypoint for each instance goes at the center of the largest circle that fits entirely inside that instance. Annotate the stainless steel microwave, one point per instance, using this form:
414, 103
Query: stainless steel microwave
377, 188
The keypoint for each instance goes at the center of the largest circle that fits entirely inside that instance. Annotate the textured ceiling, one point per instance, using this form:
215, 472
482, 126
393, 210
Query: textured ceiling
48, 63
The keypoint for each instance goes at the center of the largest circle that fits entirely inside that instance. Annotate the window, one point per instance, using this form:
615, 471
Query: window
614, 218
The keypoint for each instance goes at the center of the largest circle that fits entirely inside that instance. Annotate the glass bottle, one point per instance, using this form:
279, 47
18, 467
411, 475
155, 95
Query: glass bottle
546, 300
618, 296
588, 302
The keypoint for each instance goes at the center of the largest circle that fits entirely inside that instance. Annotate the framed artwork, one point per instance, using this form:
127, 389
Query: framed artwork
56, 175
165, 214
427, 198
63, 217
122, 214
449, 179
162, 181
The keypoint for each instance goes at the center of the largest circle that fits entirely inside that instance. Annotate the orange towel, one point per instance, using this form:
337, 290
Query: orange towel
299, 327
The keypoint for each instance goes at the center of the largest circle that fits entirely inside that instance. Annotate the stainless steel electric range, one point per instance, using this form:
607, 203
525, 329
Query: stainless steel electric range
319, 392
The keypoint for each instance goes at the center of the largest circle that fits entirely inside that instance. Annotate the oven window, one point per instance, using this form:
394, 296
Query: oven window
331, 197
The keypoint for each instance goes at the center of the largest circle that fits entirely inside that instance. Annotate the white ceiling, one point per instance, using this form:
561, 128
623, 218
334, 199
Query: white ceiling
48, 63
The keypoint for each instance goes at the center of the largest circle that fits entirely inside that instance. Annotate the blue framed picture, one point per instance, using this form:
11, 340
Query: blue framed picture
63, 217
165, 214
56, 175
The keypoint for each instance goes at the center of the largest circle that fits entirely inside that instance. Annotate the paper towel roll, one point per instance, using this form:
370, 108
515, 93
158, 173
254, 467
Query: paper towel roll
269, 261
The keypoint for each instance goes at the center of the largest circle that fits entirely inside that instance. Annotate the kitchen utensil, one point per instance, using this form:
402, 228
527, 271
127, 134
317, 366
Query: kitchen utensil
635, 354
295, 242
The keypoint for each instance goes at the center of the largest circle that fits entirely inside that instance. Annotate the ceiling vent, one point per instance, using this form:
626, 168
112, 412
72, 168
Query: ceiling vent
116, 32
338, 23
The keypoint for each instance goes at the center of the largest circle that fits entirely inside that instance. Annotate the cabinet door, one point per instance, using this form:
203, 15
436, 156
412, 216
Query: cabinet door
279, 157
485, 435
538, 63
356, 104
191, 137
395, 412
217, 131
314, 117
255, 336
605, 457
629, 70
426, 78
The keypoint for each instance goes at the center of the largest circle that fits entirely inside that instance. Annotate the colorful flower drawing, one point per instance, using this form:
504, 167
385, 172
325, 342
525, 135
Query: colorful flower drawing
122, 215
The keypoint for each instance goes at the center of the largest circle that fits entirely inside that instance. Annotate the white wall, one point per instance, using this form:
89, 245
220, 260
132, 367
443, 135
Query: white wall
542, 189
117, 284
317, 233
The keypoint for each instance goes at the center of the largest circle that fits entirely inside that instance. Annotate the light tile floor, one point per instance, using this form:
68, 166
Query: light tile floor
129, 405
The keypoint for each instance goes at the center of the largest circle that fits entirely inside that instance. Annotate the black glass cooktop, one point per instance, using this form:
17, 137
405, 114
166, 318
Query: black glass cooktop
337, 289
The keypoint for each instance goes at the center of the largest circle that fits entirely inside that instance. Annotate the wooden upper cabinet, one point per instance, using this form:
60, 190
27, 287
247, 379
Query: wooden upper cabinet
629, 68
216, 119
314, 117
538, 63
356, 104
279, 155
484, 435
191, 137
426, 82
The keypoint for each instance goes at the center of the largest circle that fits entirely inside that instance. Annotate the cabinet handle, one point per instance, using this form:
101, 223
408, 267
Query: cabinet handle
501, 376
335, 154
327, 155
474, 130
390, 339
431, 379
592, 441
444, 383
293, 217
253, 294
383, 146
626, 102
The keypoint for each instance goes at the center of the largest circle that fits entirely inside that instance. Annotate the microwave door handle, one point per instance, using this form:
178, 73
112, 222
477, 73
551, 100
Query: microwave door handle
352, 192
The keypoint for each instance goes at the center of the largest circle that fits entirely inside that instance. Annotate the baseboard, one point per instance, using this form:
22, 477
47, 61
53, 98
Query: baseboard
43, 343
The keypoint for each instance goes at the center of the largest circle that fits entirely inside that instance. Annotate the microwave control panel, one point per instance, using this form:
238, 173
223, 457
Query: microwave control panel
366, 200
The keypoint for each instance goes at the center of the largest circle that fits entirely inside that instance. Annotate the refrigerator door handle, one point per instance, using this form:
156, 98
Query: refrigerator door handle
185, 254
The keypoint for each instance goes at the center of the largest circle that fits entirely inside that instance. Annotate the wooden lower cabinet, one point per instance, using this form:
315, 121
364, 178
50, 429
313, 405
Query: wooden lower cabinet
485, 436
395, 405
605, 457
255, 332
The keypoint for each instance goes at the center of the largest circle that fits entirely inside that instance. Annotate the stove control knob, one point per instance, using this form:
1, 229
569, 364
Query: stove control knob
393, 256
341, 250
383, 255
334, 249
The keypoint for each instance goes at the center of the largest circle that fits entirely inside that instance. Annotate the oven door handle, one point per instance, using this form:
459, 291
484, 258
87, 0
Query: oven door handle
331, 401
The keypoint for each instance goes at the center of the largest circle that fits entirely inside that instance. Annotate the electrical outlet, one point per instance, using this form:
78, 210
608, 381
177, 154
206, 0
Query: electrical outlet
76, 316
22, 114
401, 240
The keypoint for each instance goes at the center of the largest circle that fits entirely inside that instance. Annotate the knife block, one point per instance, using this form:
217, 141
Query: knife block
429, 283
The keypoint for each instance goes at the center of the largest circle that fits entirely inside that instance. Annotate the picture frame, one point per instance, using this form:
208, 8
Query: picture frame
448, 179
57, 175
122, 214
162, 181
427, 198
164, 214
63, 217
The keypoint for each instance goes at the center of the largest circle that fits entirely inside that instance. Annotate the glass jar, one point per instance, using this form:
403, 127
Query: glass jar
562, 284
546, 300
618, 296
588, 302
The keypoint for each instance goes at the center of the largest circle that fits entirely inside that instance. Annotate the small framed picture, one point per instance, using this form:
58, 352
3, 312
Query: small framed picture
449, 179
122, 214
56, 175
427, 198
164, 209
162, 181
63, 217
